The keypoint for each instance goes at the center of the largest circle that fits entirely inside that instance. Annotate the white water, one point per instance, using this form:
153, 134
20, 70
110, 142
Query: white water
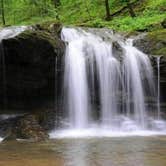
158, 86
76, 82
135, 66
93, 69
1, 139
10, 32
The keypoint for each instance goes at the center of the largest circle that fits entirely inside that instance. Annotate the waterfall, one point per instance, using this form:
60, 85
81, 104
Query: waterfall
12, 31
137, 68
76, 81
112, 82
158, 87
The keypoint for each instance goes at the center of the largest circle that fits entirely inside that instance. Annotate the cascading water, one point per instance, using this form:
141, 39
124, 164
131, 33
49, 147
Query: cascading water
158, 86
119, 83
76, 82
12, 31
135, 66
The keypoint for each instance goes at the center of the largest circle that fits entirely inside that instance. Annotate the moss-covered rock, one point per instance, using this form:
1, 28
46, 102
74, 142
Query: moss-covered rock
37, 35
49, 26
153, 43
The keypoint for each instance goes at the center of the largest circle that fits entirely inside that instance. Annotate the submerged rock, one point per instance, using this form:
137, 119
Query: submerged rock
117, 50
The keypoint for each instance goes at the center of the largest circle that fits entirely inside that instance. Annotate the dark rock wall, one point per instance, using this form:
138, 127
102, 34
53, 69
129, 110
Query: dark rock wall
30, 68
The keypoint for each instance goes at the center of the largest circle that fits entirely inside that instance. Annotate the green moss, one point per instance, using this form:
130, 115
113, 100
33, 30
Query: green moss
47, 25
157, 40
159, 35
161, 51
38, 34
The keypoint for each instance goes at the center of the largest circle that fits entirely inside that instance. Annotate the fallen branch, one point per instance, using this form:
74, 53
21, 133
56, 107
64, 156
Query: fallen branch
124, 8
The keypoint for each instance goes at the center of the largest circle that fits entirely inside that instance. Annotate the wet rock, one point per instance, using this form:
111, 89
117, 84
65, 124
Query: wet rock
153, 43
33, 66
55, 28
6, 126
26, 127
117, 50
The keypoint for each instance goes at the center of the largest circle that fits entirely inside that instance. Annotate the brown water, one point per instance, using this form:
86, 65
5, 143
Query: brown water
125, 151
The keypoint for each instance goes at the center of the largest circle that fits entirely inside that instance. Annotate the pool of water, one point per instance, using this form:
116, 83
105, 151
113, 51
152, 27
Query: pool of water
122, 151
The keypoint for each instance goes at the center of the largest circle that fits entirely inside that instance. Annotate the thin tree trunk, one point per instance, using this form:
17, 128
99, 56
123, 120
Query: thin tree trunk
56, 3
87, 9
2, 12
108, 15
131, 11
44, 7
125, 8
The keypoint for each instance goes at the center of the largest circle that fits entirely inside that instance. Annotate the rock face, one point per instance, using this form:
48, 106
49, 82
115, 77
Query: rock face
164, 23
28, 70
154, 44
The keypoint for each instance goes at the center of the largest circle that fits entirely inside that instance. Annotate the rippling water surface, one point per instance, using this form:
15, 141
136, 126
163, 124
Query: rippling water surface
124, 151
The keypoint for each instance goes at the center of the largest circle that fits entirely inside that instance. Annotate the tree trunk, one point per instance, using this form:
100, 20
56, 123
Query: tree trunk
56, 3
45, 7
131, 11
2, 12
108, 15
87, 9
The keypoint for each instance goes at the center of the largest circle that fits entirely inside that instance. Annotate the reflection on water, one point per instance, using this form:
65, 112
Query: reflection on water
131, 151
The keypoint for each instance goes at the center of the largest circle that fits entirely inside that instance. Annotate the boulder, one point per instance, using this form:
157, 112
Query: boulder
30, 70
153, 43
26, 127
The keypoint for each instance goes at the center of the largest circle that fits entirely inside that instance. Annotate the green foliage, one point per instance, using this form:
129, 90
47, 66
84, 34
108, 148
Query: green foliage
150, 13
144, 22
26, 11
124, 1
